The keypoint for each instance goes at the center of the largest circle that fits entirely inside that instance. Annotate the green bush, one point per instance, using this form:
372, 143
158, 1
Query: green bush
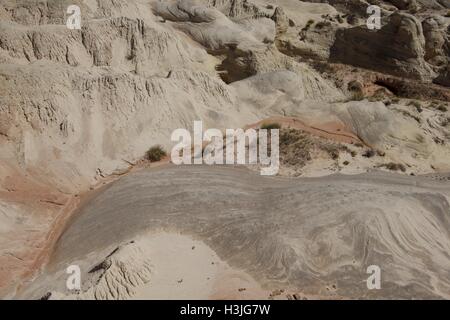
155, 154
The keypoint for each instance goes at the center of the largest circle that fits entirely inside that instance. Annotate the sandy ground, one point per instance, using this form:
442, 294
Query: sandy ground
315, 236
189, 269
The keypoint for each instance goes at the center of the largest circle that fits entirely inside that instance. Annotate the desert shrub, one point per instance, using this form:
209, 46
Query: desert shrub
155, 154
357, 96
332, 149
269, 126
381, 153
415, 104
306, 28
295, 146
355, 86
442, 108
394, 166
381, 94
369, 153
322, 24
438, 140
334, 155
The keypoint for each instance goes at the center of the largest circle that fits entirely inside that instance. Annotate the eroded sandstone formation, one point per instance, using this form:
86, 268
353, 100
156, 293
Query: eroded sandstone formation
79, 106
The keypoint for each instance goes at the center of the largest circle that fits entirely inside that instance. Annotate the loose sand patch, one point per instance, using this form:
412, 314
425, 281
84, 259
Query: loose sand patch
185, 268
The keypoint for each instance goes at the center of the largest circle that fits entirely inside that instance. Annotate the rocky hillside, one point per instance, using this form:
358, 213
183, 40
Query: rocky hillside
77, 106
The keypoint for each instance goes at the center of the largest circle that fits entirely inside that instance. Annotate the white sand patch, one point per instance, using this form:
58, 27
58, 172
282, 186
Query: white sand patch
188, 269
165, 266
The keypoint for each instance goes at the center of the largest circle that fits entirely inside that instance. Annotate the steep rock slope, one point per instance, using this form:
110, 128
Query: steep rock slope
78, 105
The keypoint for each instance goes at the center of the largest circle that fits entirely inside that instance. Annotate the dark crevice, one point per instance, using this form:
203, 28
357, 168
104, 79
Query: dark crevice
388, 86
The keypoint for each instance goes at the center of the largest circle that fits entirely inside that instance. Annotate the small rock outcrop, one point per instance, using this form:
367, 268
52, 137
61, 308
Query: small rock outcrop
397, 48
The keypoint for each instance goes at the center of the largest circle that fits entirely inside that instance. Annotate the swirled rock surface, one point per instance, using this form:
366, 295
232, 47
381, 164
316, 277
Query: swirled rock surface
307, 235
